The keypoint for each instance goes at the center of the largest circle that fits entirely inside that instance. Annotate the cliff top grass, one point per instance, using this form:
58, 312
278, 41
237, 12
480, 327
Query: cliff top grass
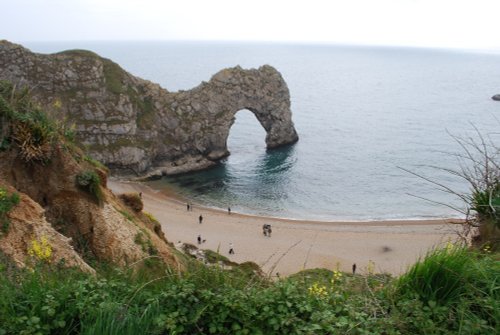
78, 52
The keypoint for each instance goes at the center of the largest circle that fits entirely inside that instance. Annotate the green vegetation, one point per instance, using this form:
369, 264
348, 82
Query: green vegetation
145, 116
95, 163
90, 182
119, 143
153, 223
453, 287
479, 166
215, 257
25, 124
451, 291
113, 75
143, 239
7, 202
126, 215
486, 203
79, 52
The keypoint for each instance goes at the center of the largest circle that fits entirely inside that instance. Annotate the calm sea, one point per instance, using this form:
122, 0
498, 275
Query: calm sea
361, 114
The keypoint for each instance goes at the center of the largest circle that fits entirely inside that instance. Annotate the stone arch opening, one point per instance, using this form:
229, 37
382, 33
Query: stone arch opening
245, 133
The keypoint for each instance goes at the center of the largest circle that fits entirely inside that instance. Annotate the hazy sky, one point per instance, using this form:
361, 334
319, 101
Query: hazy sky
434, 23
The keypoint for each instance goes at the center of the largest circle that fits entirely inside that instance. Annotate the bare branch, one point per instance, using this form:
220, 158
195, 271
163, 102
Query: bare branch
438, 203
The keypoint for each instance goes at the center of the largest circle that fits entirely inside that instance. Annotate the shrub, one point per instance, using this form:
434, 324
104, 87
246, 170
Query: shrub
486, 203
133, 201
7, 202
30, 128
90, 182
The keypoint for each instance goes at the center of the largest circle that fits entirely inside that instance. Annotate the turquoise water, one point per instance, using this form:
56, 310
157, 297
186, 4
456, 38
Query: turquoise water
361, 113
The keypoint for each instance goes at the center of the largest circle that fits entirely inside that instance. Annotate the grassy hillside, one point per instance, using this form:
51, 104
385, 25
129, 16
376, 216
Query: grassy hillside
451, 291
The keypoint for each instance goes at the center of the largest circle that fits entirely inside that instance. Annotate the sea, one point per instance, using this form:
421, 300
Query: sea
377, 126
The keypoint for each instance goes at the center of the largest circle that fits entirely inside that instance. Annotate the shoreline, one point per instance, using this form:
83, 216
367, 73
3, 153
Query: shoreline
174, 196
295, 244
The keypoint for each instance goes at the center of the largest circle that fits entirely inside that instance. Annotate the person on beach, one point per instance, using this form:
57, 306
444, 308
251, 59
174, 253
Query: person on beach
354, 269
266, 229
229, 210
140, 195
200, 219
231, 249
199, 239
188, 207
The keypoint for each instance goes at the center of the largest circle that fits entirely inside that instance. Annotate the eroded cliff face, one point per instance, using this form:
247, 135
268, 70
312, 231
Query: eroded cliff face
28, 225
76, 225
135, 126
52, 193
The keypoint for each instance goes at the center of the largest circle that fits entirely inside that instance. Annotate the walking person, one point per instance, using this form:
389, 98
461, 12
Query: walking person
231, 249
354, 269
199, 239
229, 210
188, 207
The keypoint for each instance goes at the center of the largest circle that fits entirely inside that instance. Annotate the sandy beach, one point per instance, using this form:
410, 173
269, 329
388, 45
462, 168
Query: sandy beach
295, 245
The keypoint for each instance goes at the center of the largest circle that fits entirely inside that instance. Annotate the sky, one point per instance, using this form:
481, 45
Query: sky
466, 24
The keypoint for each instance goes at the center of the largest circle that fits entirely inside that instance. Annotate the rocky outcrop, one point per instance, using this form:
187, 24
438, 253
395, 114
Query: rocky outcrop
135, 126
496, 97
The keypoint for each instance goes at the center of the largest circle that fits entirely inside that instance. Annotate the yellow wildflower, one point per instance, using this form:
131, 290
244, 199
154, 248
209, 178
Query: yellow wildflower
449, 247
370, 268
41, 250
487, 249
318, 290
57, 104
337, 276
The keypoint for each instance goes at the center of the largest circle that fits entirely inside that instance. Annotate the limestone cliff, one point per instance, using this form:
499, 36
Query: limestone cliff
135, 126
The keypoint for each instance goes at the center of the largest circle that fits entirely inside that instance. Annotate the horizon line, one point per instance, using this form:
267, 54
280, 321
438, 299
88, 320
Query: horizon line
276, 42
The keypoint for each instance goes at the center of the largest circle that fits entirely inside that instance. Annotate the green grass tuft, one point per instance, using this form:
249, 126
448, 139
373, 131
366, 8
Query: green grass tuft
7, 202
90, 182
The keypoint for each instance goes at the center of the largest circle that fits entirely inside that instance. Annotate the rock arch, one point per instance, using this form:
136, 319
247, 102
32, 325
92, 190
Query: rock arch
261, 91
135, 126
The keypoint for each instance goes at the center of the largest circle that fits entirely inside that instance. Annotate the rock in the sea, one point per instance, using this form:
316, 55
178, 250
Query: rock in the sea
135, 126
496, 97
